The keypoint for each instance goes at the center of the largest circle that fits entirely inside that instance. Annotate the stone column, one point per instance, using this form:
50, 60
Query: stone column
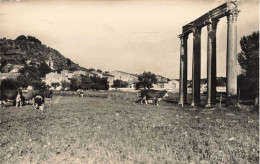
211, 63
185, 67
196, 66
181, 70
231, 71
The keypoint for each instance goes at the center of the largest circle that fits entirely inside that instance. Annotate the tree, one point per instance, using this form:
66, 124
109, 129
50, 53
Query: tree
103, 83
21, 37
73, 68
221, 81
119, 84
68, 63
99, 70
91, 69
33, 39
38, 85
44, 69
146, 80
86, 82
28, 76
75, 83
248, 58
65, 84
55, 85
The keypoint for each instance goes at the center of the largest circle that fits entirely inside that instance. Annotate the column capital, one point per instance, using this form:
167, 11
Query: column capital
196, 32
232, 15
183, 36
212, 24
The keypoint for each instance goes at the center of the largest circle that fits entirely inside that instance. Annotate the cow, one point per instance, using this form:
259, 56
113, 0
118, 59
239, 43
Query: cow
20, 99
155, 95
9, 91
80, 93
28, 96
39, 101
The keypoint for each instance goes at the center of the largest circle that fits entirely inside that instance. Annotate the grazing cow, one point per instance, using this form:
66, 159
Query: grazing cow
20, 99
155, 95
39, 101
29, 95
80, 93
9, 91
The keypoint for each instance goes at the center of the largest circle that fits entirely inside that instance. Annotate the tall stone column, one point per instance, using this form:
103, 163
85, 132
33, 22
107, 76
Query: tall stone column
183, 69
211, 63
196, 66
231, 71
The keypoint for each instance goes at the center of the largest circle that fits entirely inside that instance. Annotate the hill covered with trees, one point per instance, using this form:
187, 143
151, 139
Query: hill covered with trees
23, 49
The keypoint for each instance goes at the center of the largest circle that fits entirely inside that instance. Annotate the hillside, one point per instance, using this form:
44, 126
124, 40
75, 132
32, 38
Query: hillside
24, 48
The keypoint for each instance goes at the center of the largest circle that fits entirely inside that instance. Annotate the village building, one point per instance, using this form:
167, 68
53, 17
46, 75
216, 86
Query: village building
10, 75
80, 72
165, 84
110, 78
172, 85
13, 74
65, 75
95, 73
55, 77
124, 76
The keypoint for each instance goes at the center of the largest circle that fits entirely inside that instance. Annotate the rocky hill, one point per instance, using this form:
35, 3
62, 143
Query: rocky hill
23, 49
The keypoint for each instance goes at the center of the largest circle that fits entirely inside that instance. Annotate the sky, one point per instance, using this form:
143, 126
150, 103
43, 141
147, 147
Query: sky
128, 35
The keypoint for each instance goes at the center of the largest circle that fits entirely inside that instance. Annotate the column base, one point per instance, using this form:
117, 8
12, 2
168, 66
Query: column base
192, 104
231, 100
208, 105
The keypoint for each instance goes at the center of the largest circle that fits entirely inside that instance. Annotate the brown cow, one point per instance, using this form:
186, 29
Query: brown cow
155, 95
9, 91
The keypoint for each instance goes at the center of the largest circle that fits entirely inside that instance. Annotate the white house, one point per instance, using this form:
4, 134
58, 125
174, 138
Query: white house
124, 76
110, 78
55, 77
80, 72
172, 85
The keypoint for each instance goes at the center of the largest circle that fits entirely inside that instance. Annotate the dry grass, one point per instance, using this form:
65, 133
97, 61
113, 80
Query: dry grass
117, 130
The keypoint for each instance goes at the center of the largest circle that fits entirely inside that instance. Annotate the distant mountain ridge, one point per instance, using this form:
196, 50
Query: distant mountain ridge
24, 48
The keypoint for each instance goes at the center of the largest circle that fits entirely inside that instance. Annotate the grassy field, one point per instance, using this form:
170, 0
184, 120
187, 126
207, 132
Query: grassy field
118, 130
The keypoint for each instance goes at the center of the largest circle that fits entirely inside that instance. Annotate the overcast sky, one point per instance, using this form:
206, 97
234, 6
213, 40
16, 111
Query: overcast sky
131, 36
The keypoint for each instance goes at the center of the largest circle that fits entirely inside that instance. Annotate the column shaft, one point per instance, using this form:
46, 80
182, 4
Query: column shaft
211, 63
181, 72
185, 67
196, 67
231, 57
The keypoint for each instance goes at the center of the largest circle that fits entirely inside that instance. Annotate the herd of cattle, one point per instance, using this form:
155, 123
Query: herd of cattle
11, 93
